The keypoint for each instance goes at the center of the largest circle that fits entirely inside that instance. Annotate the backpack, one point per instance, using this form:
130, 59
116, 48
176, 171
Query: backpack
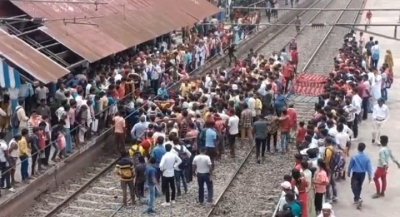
375, 55
183, 156
336, 162
136, 154
14, 119
126, 173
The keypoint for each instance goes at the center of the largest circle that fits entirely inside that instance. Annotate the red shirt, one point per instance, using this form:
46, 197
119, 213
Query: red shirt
285, 125
42, 140
369, 14
362, 90
293, 117
301, 134
295, 56
287, 71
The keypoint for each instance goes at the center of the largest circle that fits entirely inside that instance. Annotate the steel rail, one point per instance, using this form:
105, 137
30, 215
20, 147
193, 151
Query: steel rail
322, 9
270, 39
314, 54
311, 59
85, 186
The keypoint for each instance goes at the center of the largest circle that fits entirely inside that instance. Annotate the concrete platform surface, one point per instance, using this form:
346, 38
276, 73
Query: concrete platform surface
382, 207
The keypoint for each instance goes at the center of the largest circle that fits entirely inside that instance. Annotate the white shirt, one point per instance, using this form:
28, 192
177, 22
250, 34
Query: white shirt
380, 113
342, 138
347, 130
203, 163
187, 152
350, 109
356, 101
79, 100
158, 134
252, 106
233, 124
169, 162
3, 149
15, 152
333, 131
223, 116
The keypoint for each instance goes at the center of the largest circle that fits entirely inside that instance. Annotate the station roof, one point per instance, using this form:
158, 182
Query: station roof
115, 26
29, 59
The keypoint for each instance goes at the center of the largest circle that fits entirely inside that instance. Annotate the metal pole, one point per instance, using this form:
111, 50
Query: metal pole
395, 32
311, 24
321, 9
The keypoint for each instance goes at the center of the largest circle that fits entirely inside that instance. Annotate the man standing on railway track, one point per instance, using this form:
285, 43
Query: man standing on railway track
168, 163
152, 185
202, 168
125, 170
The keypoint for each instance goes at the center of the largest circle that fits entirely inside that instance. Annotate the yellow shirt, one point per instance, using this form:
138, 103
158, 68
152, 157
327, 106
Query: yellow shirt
136, 148
23, 147
258, 104
185, 89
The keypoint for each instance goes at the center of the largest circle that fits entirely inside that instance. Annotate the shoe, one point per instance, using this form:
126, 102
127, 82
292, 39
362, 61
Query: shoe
166, 204
258, 161
375, 196
11, 189
383, 194
334, 199
354, 139
173, 201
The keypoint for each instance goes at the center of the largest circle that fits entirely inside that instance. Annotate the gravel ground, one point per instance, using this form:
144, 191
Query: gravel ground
49, 200
324, 57
259, 183
186, 205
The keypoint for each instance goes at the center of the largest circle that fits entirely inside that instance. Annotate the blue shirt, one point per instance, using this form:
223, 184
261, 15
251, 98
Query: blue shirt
296, 209
157, 153
211, 136
162, 92
138, 130
150, 173
360, 163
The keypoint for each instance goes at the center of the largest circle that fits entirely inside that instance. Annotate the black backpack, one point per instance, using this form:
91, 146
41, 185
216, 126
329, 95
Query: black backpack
183, 156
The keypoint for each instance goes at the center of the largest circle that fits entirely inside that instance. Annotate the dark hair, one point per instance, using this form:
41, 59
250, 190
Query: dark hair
384, 140
296, 176
24, 132
168, 147
321, 164
152, 160
304, 164
361, 147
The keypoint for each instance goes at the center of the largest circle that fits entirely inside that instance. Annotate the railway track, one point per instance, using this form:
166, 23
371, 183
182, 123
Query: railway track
258, 189
97, 193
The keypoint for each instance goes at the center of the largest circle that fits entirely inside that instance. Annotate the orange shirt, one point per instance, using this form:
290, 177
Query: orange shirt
119, 123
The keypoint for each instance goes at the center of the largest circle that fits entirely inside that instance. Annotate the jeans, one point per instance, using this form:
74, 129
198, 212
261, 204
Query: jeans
285, 137
180, 175
167, 183
24, 167
201, 179
68, 140
354, 126
151, 196
260, 147
357, 180
374, 63
332, 183
5, 175
384, 93
365, 108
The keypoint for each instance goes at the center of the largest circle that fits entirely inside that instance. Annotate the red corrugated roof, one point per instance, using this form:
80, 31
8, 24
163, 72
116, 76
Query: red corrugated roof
124, 23
30, 60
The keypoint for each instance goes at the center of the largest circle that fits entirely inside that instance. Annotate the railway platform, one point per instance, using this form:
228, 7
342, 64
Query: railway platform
387, 206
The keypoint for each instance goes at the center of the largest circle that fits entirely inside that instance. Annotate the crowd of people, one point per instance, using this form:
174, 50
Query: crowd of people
51, 121
355, 88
